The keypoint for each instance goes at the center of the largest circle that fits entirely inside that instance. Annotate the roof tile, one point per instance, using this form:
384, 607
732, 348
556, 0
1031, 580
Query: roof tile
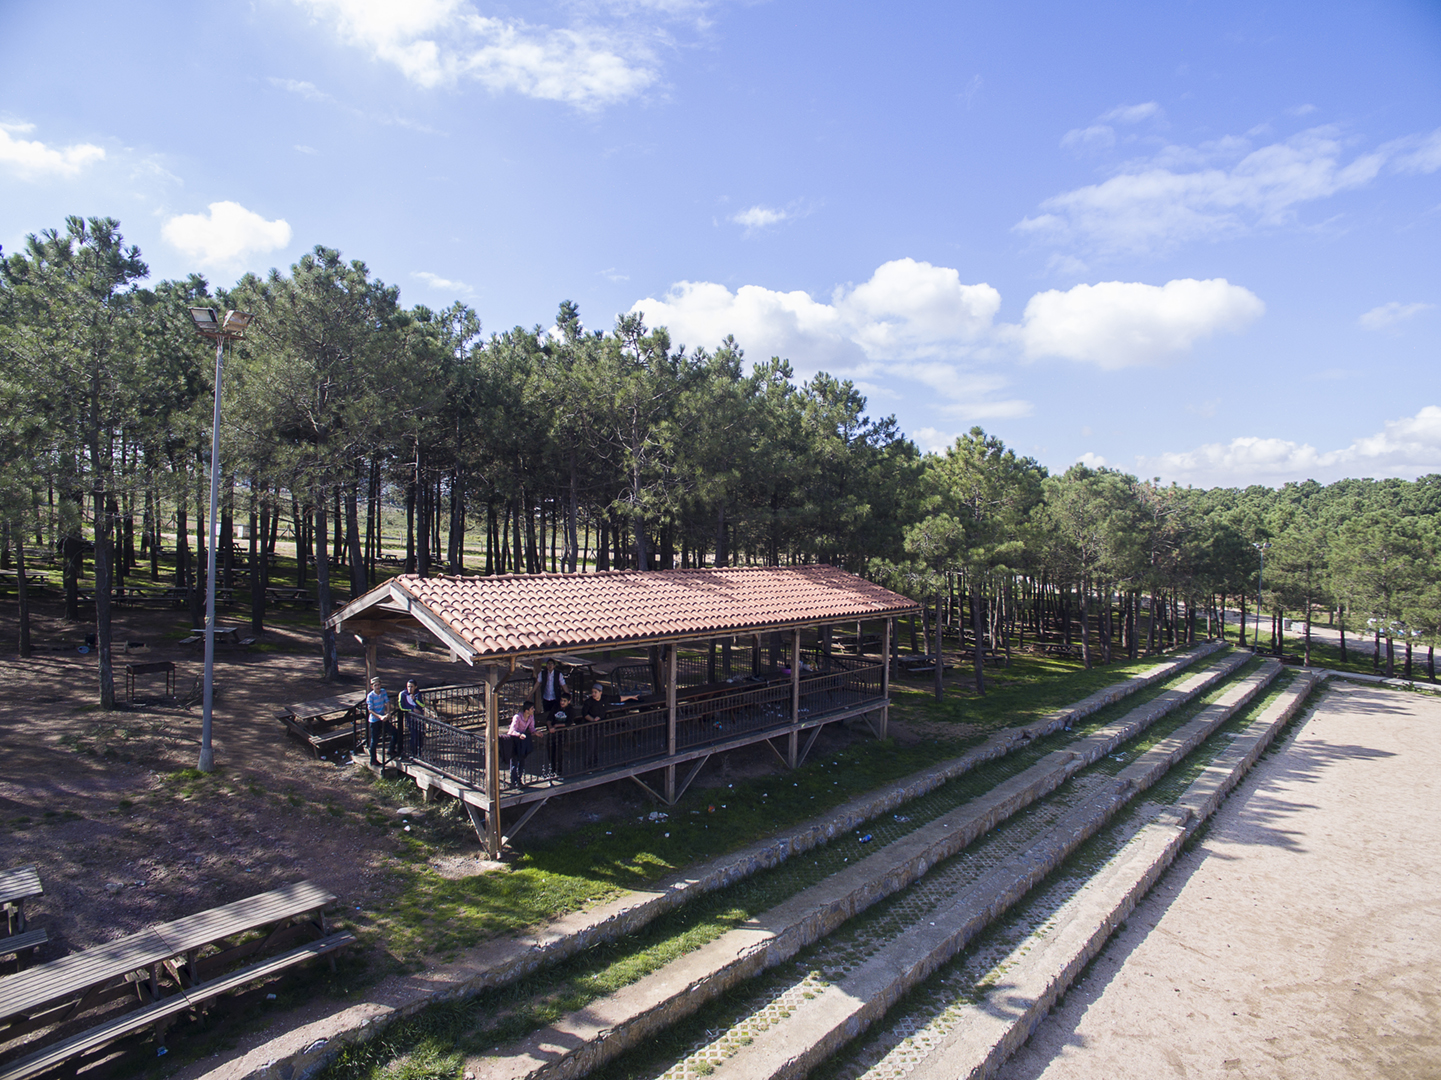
520, 613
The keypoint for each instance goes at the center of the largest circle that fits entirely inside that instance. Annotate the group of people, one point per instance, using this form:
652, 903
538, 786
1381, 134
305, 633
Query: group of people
380, 732
557, 712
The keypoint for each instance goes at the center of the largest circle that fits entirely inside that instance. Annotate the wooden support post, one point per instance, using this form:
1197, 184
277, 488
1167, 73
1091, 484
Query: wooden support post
371, 665
886, 634
492, 763
670, 706
793, 748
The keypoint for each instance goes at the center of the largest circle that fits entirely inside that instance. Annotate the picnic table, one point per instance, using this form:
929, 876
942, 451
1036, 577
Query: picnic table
277, 593
17, 886
54, 994
229, 634
332, 721
154, 667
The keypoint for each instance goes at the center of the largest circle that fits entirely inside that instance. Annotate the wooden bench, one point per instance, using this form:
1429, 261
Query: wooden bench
159, 1013
169, 967
17, 945
326, 724
17, 886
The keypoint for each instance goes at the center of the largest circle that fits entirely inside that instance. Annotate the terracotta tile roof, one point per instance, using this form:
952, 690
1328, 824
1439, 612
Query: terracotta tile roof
528, 613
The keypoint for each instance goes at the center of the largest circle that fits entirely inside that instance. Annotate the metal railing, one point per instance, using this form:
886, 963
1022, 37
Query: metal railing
456, 752
627, 739
720, 717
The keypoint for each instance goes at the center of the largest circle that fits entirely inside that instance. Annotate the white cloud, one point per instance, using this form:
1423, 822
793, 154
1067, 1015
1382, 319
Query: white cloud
1132, 114
911, 320
1091, 460
306, 149
308, 90
1421, 154
1101, 135
1406, 448
441, 42
760, 217
440, 284
1095, 137
1388, 315
934, 440
1218, 189
225, 237
34, 160
1118, 324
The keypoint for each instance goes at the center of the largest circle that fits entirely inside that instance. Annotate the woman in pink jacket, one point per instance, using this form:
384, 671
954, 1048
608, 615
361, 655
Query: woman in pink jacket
522, 734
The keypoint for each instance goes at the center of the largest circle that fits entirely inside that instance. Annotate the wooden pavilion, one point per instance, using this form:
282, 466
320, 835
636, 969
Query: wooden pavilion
692, 662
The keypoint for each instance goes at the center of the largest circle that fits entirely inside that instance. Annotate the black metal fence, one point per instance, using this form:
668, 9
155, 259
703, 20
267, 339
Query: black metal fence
449, 735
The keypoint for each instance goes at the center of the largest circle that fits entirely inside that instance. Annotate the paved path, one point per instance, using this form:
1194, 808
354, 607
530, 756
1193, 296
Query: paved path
1301, 939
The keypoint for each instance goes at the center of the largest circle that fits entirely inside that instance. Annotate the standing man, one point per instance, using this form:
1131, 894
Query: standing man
549, 686
377, 705
408, 706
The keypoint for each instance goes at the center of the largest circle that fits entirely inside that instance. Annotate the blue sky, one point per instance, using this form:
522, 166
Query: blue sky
1190, 240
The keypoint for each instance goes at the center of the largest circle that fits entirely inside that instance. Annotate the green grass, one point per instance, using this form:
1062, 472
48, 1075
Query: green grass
437, 915
433, 1043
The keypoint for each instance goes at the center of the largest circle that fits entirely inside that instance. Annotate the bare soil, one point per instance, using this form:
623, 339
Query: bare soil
1301, 939
100, 801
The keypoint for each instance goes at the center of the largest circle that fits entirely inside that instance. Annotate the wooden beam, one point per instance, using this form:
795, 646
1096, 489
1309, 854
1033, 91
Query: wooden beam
792, 744
370, 661
671, 708
492, 765
886, 676
381, 627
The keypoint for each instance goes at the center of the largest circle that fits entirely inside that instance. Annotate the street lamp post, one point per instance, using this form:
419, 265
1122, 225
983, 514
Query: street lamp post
1261, 548
208, 322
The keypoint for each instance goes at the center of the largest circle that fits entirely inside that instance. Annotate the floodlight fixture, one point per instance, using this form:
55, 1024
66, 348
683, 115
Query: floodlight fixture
207, 320
236, 322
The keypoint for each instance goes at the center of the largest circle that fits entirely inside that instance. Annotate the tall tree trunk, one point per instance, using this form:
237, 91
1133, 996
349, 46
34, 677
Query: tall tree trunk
978, 653
722, 551
104, 557
572, 510
22, 593
255, 552
1341, 610
358, 581
1307, 659
410, 562
227, 534
940, 672
1085, 626
519, 555
602, 542
329, 660
302, 540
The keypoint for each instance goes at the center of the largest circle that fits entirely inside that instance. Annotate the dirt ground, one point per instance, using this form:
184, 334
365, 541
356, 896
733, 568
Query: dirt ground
92, 799
1301, 938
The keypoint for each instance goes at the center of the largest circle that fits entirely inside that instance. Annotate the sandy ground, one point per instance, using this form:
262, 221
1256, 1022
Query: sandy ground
1301, 938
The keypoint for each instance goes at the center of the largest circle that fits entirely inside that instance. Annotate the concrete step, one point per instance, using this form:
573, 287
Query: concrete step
854, 997
606, 1028
306, 1048
966, 1023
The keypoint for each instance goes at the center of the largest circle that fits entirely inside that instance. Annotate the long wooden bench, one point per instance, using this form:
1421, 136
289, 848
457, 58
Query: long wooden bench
17, 945
160, 1013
